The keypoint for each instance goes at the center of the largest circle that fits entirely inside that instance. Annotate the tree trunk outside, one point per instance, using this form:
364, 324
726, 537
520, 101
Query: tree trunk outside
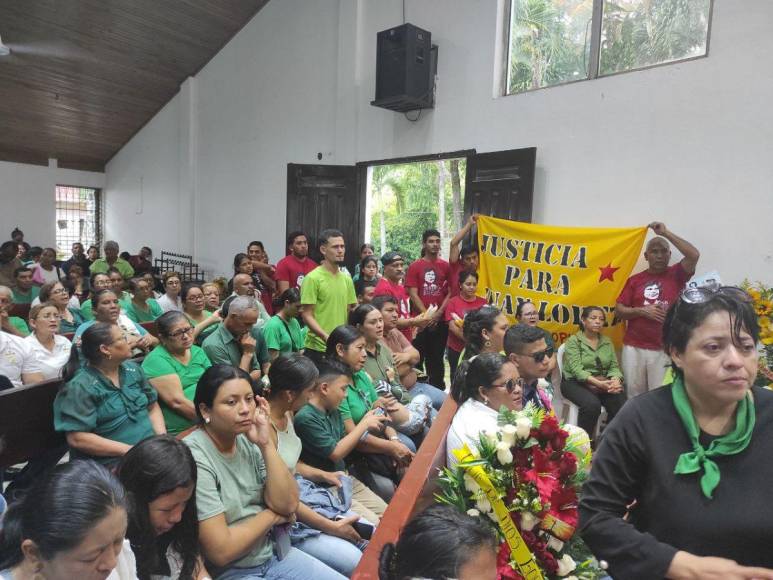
456, 195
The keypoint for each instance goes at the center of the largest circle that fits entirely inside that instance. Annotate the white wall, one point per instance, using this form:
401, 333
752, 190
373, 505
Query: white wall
27, 198
688, 144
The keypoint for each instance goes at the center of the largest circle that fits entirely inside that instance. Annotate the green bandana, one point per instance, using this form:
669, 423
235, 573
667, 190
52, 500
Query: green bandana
730, 444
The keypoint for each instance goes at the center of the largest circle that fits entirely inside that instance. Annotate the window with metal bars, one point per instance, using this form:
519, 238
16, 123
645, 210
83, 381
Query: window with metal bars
78, 218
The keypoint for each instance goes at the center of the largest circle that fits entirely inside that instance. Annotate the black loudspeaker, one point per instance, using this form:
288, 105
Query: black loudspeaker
406, 63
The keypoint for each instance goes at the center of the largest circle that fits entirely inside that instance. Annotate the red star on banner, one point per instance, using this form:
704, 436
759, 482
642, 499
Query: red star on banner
607, 273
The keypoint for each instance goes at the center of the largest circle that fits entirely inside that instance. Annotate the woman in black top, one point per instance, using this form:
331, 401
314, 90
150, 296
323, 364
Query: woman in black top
694, 456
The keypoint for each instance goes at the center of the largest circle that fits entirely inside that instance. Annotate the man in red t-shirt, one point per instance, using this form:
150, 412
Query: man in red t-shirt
291, 269
427, 283
390, 285
465, 259
644, 301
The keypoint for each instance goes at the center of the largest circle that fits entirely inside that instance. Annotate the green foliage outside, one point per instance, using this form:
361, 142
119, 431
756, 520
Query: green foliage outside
550, 39
408, 198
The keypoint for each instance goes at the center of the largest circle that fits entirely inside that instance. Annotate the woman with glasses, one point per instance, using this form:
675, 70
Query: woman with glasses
173, 369
482, 386
107, 405
52, 350
194, 306
55, 293
526, 313
592, 377
679, 485
170, 300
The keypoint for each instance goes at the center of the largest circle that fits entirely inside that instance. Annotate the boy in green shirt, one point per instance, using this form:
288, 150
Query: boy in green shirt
325, 442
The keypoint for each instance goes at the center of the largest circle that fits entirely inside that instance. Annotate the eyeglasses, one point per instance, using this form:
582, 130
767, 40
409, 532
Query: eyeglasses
541, 355
510, 385
703, 294
50, 316
180, 333
59, 291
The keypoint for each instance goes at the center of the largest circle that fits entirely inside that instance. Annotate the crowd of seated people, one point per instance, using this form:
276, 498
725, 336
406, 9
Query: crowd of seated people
262, 436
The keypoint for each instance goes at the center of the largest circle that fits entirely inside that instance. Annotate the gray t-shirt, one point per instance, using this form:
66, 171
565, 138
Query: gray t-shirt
232, 486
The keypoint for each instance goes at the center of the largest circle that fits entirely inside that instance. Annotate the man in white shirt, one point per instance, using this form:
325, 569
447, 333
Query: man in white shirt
18, 362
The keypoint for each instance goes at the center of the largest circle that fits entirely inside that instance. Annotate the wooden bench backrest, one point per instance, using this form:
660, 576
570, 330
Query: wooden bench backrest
27, 422
415, 492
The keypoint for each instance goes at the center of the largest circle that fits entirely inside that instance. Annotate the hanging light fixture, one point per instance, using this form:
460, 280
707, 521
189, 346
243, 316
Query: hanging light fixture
4, 50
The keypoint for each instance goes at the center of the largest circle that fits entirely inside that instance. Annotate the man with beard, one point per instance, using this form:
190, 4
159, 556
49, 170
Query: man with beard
293, 268
643, 303
327, 294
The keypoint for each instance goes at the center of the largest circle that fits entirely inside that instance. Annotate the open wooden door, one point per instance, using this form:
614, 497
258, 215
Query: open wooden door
501, 184
326, 196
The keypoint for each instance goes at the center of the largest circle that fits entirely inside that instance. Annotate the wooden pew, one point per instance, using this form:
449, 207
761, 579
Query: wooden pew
27, 422
415, 492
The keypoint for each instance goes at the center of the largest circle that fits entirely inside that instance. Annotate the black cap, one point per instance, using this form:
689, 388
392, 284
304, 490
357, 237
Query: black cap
390, 257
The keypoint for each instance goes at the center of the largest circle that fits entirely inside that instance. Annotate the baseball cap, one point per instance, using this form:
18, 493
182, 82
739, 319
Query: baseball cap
390, 257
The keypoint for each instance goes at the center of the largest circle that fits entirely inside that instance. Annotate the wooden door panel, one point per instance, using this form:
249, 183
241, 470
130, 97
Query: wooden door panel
501, 184
325, 196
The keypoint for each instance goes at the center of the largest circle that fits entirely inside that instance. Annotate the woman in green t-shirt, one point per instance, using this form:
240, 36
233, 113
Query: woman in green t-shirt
107, 406
173, 369
204, 322
283, 333
244, 488
347, 345
142, 307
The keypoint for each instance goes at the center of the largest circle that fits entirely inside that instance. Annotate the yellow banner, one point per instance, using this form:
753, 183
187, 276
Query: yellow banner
559, 269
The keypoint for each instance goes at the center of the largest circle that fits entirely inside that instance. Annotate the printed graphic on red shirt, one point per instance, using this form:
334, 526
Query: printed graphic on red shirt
645, 289
292, 270
430, 279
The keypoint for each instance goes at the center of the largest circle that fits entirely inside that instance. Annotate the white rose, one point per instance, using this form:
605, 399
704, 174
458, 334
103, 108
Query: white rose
491, 437
470, 484
566, 565
523, 428
572, 577
483, 505
493, 517
555, 544
503, 453
473, 512
508, 434
528, 521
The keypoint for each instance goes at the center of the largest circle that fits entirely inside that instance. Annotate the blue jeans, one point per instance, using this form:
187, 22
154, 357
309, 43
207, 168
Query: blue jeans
340, 555
295, 566
435, 395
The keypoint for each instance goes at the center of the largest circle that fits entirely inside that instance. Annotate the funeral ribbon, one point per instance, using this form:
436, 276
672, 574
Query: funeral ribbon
525, 563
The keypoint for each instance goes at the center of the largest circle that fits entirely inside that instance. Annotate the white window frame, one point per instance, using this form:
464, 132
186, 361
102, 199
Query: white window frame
595, 50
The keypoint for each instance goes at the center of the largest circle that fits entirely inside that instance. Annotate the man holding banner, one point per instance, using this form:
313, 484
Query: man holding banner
643, 303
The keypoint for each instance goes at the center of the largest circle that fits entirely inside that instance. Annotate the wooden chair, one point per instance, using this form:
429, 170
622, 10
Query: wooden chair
415, 492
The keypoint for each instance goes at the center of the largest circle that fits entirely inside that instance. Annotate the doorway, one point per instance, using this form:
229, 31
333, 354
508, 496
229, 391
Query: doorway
404, 199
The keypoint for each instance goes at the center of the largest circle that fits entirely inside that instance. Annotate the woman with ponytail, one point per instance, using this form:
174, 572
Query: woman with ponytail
482, 386
70, 525
484, 330
106, 406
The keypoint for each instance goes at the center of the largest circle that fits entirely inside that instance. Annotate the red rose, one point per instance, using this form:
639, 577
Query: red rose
567, 465
559, 440
504, 570
548, 428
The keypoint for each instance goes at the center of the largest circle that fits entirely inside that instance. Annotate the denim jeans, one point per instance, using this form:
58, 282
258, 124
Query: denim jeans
340, 555
295, 566
420, 412
435, 395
